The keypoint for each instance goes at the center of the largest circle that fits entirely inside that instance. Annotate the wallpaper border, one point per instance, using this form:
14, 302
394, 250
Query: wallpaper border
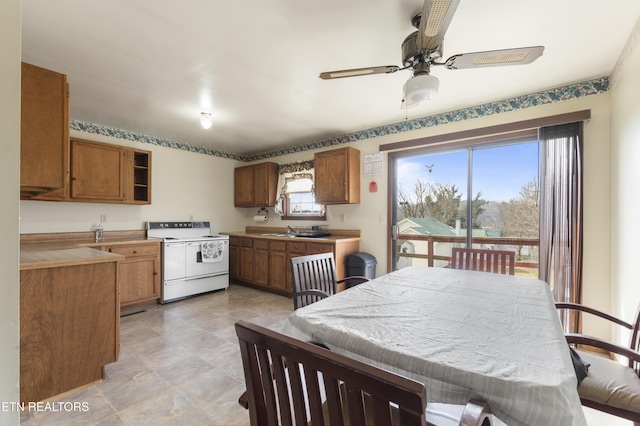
545, 97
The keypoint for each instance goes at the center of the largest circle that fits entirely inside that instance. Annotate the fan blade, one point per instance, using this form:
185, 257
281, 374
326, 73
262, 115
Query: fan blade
494, 58
355, 72
435, 19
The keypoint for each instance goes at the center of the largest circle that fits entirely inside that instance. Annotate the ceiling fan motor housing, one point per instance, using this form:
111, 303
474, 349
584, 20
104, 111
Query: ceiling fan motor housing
411, 55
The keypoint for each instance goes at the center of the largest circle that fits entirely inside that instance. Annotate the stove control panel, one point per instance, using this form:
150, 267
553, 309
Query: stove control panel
178, 225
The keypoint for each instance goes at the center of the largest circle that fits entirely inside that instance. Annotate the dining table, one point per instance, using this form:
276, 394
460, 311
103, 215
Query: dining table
464, 334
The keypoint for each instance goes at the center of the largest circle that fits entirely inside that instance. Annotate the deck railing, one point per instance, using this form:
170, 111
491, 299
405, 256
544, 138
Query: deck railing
430, 256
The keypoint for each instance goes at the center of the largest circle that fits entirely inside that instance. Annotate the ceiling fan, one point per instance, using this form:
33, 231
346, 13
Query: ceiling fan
423, 48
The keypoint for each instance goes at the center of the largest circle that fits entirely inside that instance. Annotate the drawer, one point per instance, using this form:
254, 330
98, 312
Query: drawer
277, 246
234, 241
316, 248
246, 242
134, 249
261, 244
297, 248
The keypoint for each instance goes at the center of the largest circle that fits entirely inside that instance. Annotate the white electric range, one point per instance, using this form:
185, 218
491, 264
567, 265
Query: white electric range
193, 260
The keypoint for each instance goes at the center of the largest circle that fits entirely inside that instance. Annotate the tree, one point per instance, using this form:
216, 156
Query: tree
414, 206
520, 216
443, 203
477, 208
437, 200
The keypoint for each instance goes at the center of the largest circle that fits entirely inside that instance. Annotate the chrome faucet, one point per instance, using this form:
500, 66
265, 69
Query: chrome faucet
99, 233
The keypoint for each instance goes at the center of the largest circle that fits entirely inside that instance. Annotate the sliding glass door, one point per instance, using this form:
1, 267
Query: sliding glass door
481, 196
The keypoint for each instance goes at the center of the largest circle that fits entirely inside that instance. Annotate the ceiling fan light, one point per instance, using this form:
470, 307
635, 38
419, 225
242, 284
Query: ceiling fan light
206, 119
420, 88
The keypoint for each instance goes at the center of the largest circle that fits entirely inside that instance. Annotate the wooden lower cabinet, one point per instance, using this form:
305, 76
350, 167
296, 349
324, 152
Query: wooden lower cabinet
234, 258
138, 273
69, 327
265, 263
261, 262
245, 268
279, 270
138, 278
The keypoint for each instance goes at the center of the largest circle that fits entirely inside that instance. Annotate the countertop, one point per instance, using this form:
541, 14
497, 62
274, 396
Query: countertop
34, 257
75, 248
263, 232
333, 238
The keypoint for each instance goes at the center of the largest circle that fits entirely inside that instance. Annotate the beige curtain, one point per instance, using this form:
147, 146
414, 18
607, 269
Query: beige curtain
561, 215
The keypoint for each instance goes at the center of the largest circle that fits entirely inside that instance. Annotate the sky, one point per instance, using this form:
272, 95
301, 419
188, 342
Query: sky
499, 172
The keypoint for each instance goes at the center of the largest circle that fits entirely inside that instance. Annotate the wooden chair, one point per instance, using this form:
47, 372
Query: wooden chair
610, 386
496, 261
314, 278
294, 382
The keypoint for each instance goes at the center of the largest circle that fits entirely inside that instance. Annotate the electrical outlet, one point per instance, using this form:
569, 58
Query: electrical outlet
343, 218
383, 218
103, 217
190, 218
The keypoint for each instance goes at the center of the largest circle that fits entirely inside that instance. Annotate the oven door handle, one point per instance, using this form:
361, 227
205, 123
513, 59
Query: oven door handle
174, 244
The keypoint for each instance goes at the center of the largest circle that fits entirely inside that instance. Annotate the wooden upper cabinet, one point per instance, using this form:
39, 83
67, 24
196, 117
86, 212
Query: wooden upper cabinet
44, 132
106, 173
97, 171
243, 186
337, 176
256, 185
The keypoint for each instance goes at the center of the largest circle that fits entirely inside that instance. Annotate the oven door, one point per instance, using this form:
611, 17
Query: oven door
197, 266
174, 261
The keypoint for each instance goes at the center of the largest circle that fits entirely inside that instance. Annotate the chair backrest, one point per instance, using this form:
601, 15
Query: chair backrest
314, 278
284, 386
496, 261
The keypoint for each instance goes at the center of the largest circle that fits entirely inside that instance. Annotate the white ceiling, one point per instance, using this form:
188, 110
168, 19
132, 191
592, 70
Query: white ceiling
151, 67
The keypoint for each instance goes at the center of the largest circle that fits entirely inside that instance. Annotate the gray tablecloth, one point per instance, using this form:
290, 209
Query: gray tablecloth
464, 334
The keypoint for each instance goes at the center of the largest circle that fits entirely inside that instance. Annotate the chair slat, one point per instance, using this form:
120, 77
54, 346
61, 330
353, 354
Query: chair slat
336, 369
496, 261
355, 392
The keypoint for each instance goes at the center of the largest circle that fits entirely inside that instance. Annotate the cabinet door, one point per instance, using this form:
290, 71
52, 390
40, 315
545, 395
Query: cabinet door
234, 258
261, 266
246, 260
138, 280
96, 171
279, 269
243, 186
44, 131
265, 184
337, 176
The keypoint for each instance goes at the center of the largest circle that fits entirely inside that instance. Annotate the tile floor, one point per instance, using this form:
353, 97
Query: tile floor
180, 365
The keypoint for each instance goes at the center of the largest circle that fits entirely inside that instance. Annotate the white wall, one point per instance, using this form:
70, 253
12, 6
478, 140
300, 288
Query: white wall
366, 215
184, 184
625, 180
10, 18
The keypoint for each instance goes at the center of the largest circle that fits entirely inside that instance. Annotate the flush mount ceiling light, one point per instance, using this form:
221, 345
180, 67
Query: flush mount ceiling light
206, 119
420, 88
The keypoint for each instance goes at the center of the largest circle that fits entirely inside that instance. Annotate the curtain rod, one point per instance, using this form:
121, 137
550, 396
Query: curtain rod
534, 123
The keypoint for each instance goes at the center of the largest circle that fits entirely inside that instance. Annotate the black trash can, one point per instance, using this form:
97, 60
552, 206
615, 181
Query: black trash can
360, 264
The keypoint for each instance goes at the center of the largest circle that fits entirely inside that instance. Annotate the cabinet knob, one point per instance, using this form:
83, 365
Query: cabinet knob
109, 249
135, 252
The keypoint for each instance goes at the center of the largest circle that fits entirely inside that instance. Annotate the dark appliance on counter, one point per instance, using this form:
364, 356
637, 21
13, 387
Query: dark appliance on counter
311, 231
